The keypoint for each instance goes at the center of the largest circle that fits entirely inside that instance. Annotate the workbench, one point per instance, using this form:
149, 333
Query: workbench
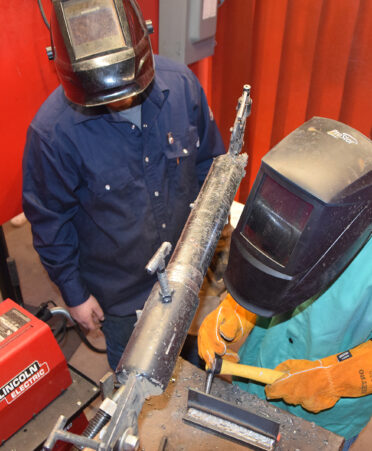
161, 425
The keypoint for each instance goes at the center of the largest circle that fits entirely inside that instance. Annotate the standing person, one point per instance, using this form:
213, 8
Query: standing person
113, 160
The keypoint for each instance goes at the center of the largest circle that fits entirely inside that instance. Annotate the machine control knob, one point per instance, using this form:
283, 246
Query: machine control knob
149, 26
50, 53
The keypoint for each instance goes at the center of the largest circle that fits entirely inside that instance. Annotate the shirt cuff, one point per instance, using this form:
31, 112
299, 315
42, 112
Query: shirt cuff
74, 292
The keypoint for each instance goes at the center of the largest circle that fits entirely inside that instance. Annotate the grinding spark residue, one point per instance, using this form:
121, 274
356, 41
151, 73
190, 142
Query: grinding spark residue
230, 429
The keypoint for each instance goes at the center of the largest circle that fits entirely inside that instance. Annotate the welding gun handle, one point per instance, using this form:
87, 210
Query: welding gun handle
264, 375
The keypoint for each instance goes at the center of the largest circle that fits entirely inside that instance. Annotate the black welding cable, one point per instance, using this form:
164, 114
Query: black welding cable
60, 311
59, 331
42, 12
84, 339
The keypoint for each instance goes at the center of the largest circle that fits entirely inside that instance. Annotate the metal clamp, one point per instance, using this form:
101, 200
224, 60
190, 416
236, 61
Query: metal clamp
58, 433
157, 264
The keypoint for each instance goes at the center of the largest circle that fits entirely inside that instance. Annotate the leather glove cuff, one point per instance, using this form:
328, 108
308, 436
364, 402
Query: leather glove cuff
350, 372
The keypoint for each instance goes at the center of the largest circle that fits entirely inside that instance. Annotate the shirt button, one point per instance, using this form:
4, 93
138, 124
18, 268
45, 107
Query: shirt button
107, 187
156, 193
144, 125
164, 226
147, 159
185, 151
170, 138
133, 126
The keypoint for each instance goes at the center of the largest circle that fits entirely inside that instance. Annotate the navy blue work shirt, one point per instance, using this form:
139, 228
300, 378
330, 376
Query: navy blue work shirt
102, 194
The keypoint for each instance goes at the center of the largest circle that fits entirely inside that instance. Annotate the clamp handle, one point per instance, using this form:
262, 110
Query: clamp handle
58, 433
157, 264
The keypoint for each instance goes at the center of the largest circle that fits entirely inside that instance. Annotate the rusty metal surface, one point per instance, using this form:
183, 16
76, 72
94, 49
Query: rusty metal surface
161, 427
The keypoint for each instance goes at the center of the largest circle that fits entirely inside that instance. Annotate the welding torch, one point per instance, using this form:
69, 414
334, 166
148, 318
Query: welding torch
222, 366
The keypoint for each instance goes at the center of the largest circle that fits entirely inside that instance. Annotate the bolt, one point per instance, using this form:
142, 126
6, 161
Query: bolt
131, 443
128, 441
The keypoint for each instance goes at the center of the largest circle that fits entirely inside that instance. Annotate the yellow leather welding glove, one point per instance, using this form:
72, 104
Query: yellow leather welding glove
228, 323
319, 385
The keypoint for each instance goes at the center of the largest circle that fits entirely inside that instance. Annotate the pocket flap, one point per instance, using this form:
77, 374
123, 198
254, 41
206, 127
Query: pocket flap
182, 145
110, 180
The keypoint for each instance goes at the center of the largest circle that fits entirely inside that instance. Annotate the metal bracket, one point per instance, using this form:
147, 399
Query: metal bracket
121, 432
107, 385
231, 421
157, 264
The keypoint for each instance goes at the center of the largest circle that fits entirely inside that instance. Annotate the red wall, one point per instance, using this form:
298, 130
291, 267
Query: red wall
26, 79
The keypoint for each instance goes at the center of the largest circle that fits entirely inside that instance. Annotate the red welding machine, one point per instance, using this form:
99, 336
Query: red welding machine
33, 369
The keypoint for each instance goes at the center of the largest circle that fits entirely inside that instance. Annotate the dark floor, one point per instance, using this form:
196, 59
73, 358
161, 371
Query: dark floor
37, 288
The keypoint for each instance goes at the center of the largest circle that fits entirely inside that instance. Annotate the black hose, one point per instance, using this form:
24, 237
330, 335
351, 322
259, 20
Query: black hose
61, 329
84, 339
42, 12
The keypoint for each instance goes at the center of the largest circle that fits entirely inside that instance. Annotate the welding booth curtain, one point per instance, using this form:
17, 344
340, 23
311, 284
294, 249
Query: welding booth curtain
303, 58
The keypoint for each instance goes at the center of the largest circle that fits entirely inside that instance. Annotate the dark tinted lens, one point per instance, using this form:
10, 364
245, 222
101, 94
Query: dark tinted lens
93, 27
276, 221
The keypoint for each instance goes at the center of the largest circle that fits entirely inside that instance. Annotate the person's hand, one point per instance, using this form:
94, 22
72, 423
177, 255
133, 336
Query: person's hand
228, 323
88, 314
319, 385
306, 383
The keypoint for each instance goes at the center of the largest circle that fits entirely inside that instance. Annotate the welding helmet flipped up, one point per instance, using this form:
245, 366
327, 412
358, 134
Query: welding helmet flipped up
307, 216
102, 49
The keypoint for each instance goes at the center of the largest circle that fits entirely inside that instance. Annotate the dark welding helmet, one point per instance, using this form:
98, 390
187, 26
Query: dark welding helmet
307, 216
102, 49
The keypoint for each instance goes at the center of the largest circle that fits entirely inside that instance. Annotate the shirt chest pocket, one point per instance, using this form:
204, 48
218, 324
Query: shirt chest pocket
109, 193
181, 154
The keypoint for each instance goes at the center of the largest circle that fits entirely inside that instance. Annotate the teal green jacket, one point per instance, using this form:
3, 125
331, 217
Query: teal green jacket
338, 320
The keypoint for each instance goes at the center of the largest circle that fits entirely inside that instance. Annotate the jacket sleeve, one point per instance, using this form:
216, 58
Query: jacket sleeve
211, 144
49, 204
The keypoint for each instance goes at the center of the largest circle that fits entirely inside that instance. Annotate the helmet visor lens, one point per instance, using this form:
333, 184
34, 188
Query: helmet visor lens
277, 219
93, 27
